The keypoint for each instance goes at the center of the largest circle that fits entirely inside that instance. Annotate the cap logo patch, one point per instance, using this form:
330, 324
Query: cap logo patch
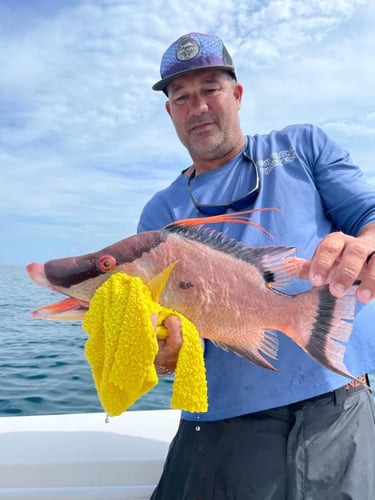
187, 49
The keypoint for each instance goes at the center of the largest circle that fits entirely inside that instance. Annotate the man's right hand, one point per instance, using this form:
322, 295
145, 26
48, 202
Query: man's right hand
169, 349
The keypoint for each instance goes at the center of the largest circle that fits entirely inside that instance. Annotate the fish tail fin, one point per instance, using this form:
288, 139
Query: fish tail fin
235, 218
330, 330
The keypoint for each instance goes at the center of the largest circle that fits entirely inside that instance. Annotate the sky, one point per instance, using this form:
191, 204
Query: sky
85, 142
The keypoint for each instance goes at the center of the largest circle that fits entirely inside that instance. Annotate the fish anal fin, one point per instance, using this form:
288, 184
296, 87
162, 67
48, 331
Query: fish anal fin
263, 342
158, 282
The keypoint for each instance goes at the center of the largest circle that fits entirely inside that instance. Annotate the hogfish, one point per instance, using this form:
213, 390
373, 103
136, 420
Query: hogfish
231, 292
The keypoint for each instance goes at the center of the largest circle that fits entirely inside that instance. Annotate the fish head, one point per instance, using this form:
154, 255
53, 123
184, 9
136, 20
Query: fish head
79, 277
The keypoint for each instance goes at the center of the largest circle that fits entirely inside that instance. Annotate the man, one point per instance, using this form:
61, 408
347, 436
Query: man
302, 431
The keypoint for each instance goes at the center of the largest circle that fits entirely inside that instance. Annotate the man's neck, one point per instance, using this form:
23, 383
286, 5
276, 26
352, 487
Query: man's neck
201, 165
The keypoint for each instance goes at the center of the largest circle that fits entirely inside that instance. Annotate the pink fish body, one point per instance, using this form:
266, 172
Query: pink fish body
229, 291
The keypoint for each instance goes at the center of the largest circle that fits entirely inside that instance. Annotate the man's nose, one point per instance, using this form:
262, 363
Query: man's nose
198, 104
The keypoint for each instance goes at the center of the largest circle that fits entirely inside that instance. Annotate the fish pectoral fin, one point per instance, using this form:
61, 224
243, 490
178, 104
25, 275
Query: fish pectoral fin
265, 342
158, 282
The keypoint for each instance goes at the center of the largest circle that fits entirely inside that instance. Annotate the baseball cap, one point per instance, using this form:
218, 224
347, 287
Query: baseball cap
193, 52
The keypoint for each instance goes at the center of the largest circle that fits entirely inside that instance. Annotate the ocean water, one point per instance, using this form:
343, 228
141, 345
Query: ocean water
43, 369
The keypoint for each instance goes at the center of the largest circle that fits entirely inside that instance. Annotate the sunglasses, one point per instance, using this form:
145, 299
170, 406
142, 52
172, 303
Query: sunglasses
238, 204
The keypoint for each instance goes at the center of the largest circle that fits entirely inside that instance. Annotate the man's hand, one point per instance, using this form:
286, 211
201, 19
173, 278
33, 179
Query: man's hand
340, 260
169, 349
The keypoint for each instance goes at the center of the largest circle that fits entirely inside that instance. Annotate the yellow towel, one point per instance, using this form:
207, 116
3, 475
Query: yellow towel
122, 346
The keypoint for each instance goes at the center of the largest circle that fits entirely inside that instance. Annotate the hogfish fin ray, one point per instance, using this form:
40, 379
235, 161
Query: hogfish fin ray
266, 342
325, 335
234, 218
158, 282
277, 264
331, 331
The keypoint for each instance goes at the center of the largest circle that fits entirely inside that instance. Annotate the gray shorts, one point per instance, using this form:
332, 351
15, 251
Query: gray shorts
318, 449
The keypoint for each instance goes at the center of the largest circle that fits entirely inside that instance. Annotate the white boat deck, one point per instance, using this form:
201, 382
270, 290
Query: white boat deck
80, 456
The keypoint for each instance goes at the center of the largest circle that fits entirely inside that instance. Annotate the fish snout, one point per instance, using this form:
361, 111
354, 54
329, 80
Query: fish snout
37, 275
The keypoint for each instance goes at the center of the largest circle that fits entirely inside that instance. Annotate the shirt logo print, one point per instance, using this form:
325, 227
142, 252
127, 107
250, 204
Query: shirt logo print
277, 160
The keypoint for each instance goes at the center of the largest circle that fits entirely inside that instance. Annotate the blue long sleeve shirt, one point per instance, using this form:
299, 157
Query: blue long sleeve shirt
317, 189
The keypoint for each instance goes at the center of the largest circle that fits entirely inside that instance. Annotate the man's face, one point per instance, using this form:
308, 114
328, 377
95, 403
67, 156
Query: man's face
204, 107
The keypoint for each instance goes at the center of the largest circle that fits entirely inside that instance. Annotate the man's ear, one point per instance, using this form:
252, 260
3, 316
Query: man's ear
168, 107
238, 93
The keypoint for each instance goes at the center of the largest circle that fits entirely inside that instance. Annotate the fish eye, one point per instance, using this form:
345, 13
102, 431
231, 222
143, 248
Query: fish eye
107, 263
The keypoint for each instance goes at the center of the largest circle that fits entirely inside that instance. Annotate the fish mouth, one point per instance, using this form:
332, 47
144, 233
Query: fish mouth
65, 310
68, 309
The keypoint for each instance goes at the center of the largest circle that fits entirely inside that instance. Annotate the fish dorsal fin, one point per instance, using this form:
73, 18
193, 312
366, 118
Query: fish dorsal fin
158, 282
265, 342
278, 264
273, 262
242, 217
